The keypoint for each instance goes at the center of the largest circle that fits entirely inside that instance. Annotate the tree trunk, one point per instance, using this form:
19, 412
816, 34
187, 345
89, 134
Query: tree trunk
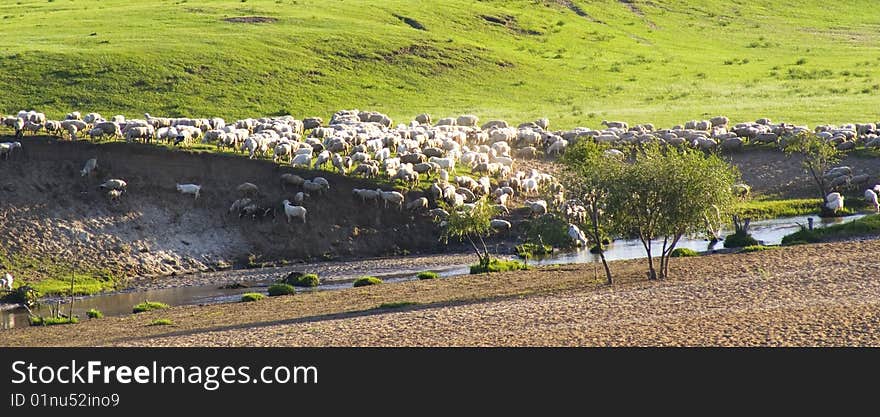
607, 269
652, 273
597, 237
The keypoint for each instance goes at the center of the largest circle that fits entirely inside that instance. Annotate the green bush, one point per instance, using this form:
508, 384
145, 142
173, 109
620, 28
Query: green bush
499, 265
364, 281
549, 229
307, 280
148, 306
684, 252
530, 250
161, 322
95, 314
281, 289
740, 240
252, 296
52, 321
428, 275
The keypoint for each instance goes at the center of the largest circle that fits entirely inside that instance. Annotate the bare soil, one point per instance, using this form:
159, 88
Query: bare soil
811, 295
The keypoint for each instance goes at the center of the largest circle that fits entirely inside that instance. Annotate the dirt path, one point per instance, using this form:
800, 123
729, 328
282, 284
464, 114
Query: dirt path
805, 295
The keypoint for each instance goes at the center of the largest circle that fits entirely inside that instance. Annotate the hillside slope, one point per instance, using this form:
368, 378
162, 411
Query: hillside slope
52, 219
576, 62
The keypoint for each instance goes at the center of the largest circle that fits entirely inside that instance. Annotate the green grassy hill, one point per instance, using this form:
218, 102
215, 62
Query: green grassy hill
576, 62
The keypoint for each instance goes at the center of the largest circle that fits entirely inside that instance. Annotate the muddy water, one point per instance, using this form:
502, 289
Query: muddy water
340, 275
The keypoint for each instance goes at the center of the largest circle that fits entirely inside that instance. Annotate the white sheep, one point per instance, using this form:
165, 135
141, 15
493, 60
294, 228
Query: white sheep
6, 148
834, 202
114, 184
577, 235
294, 211
239, 204
393, 197
500, 224
871, 198
90, 166
190, 189
420, 203
302, 160
6, 282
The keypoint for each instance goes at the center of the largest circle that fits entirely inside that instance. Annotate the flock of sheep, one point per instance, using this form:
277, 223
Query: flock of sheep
368, 144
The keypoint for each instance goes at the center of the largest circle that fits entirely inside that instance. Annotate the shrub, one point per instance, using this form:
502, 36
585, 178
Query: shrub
498, 265
364, 281
52, 321
281, 289
252, 296
530, 250
95, 314
684, 252
428, 275
549, 229
307, 280
739, 240
148, 306
161, 322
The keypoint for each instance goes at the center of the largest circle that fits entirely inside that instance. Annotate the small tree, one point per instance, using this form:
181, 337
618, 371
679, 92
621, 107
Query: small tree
818, 156
665, 194
471, 224
588, 175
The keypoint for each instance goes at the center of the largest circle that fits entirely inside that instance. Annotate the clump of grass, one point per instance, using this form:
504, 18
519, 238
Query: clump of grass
740, 240
161, 322
399, 304
428, 275
149, 306
94, 314
684, 252
499, 265
52, 321
530, 250
757, 248
367, 280
281, 289
252, 296
307, 280
771, 209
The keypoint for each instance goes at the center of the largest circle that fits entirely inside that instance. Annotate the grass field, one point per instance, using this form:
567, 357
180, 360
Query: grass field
576, 62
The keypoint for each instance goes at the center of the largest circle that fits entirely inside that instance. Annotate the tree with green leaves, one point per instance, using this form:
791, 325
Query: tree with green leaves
588, 174
664, 194
818, 157
472, 225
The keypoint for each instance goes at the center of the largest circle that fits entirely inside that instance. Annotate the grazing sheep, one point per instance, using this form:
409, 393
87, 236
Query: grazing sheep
294, 211
372, 195
291, 179
114, 195
871, 198
420, 203
6, 282
577, 235
248, 189
90, 166
393, 197
6, 148
190, 189
500, 225
114, 184
299, 197
302, 160
538, 207
238, 205
834, 202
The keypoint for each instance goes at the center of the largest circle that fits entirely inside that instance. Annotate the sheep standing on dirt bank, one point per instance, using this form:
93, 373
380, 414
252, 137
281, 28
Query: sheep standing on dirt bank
248, 189
239, 204
6, 148
871, 198
834, 202
291, 179
89, 167
393, 197
190, 189
294, 211
577, 235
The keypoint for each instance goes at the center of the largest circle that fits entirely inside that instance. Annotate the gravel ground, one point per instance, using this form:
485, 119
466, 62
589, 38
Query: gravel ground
811, 295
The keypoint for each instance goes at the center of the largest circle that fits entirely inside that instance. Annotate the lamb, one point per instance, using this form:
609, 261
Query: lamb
6, 148
114, 195
90, 166
294, 211
190, 189
299, 197
303, 160
281, 151
445, 163
538, 207
248, 189
871, 198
